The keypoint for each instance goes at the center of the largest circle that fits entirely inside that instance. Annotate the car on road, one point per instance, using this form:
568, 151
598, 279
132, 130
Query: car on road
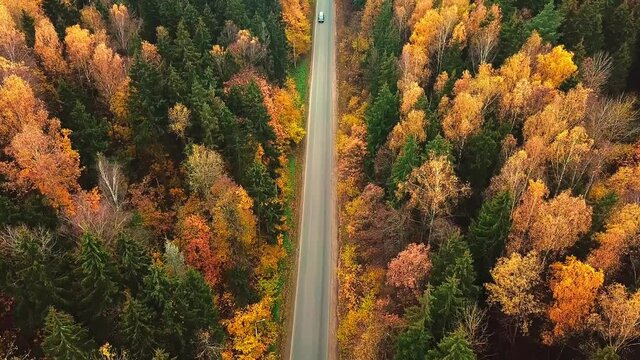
321, 17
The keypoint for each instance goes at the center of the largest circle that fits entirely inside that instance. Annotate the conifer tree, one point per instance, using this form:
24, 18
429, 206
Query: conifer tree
133, 262
64, 339
454, 346
454, 260
96, 272
138, 328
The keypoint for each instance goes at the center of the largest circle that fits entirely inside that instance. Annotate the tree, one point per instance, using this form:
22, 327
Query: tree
43, 159
446, 306
410, 267
138, 328
574, 286
297, 27
547, 23
252, 331
123, 26
204, 167
200, 253
408, 159
617, 318
453, 260
133, 262
413, 342
555, 67
433, 189
79, 45
18, 106
380, 118
620, 234
48, 47
454, 346
96, 271
516, 282
107, 71
488, 232
64, 338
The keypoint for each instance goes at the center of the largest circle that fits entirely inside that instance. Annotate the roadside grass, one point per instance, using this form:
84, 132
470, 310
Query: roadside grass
300, 75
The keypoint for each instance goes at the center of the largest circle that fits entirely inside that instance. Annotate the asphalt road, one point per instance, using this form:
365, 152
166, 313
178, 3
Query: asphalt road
313, 331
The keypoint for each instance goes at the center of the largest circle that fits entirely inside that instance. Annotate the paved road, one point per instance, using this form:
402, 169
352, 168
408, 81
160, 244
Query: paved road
313, 332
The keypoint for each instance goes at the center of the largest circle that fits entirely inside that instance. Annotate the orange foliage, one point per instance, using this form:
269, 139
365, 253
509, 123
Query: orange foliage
200, 251
621, 233
574, 286
18, 106
48, 47
107, 71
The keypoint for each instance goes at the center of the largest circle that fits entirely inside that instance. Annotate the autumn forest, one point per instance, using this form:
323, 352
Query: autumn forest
487, 178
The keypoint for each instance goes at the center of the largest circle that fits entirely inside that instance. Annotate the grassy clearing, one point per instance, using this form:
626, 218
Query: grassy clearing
300, 75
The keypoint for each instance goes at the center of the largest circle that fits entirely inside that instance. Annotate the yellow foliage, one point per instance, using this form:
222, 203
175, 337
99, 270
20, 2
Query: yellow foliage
553, 68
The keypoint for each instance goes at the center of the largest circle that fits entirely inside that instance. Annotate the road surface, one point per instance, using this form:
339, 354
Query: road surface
313, 329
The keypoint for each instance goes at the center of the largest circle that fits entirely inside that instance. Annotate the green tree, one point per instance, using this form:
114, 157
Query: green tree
454, 260
413, 342
447, 303
133, 262
584, 24
138, 328
452, 347
547, 23
96, 273
380, 118
488, 233
266, 204
64, 339
407, 160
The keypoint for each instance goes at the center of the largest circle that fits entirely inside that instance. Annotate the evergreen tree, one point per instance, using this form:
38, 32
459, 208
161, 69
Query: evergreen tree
133, 262
452, 347
480, 157
386, 36
454, 260
266, 204
414, 341
27, 22
447, 303
138, 328
407, 160
96, 273
64, 339
380, 118
583, 25
488, 233
547, 23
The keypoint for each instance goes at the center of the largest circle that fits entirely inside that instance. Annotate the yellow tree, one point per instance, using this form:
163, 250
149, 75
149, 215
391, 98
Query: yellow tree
297, 27
18, 106
570, 156
617, 319
515, 288
433, 189
43, 159
413, 125
107, 71
179, 117
48, 47
252, 331
79, 45
13, 45
288, 114
621, 233
574, 286
554, 67
483, 26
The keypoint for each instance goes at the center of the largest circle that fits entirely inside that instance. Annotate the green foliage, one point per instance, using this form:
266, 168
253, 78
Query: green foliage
447, 303
547, 23
386, 36
266, 203
454, 260
413, 342
27, 22
380, 118
133, 262
488, 232
452, 347
480, 157
407, 160
606, 353
64, 339
583, 25
137, 328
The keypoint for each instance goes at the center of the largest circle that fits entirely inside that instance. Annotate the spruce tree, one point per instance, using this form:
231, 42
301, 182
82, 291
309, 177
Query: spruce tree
96, 273
454, 259
138, 328
413, 342
454, 346
488, 232
64, 339
547, 23
266, 204
380, 118
407, 160
446, 306
133, 262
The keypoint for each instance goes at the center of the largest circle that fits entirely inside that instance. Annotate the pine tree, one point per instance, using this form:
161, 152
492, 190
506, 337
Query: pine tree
452, 347
267, 206
448, 301
386, 36
488, 233
408, 159
64, 339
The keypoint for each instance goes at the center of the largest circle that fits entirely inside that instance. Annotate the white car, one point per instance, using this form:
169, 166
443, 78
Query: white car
321, 17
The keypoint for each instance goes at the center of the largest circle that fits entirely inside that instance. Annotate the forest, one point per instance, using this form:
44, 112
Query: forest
147, 175
488, 179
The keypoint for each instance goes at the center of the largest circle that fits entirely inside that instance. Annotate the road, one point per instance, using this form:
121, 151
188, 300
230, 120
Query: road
313, 329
